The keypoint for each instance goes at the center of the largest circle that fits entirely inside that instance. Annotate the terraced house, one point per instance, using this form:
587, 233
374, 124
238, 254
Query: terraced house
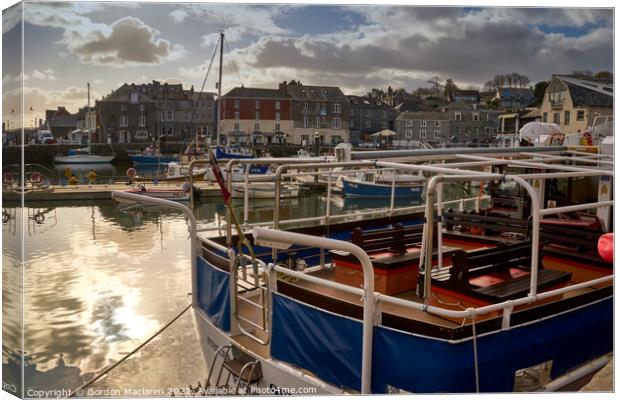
321, 111
430, 127
472, 124
367, 116
255, 115
573, 102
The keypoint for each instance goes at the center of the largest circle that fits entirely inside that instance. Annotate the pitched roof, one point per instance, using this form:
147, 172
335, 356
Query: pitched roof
515, 92
582, 96
369, 101
316, 93
466, 92
459, 105
256, 93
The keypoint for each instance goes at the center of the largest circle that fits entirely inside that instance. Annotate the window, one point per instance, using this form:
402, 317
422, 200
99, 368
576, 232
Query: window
475, 129
305, 106
336, 139
256, 127
323, 107
458, 116
566, 117
318, 106
556, 118
236, 114
277, 127
317, 122
187, 115
336, 123
436, 134
170, 115
556, 98
141, 107
323, 122
277, 116
203, 105
437, 124
423, 134
384, 124
236, 127
304, 121
368, 113
457, 129
351, 123
257, 115
123, 121
277, 105
337, 108
142, 134
545, 116
367, 124
408, 123
142, 120
236, 103
384, 114
163, 115
409, 134
123, 107
487, 130
257, 104
423, 123
351, 111
476, 117
581, 115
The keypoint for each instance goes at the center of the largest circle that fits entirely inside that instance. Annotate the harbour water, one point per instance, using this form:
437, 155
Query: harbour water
101, 277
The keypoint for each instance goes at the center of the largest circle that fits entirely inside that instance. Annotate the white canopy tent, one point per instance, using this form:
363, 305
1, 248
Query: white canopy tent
384, 133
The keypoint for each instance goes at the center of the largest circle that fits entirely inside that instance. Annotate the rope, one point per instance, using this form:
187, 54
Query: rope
204, 82
473, 328
116, 364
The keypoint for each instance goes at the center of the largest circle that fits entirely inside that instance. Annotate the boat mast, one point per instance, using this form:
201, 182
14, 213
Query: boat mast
88, 114
219, 88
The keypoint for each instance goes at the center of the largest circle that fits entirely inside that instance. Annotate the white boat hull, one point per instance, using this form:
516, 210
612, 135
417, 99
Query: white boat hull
84, 159
278, 378
264, 190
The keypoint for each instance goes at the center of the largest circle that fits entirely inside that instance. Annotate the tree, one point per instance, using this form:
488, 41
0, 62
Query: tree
539, 91
606, 75
450, 89
583, 73
436, 85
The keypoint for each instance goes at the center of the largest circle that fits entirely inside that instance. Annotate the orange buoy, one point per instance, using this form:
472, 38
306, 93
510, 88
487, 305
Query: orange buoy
606, 247
131, 172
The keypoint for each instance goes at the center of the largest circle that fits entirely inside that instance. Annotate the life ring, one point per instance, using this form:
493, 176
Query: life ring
131, 172
39, 218
92, 175
36, 177
8, 178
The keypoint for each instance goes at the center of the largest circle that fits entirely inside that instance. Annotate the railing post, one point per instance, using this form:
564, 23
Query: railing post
246, 196
393, 192
328, 205
439, 225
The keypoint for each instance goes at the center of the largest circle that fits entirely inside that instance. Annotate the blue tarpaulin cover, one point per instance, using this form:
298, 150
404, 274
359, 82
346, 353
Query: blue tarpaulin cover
214, 293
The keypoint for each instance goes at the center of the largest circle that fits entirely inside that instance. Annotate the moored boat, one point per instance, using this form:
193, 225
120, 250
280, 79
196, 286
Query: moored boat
355, 187
158, 193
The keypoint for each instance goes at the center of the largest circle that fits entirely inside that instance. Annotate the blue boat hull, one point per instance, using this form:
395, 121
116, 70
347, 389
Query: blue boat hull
141, 159
221, 154
372, 190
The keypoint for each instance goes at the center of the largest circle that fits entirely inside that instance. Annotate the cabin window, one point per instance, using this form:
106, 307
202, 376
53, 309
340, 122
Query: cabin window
581, 115
566, 117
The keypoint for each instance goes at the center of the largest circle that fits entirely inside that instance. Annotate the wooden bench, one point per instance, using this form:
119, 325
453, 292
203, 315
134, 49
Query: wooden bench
497, 274
395, 239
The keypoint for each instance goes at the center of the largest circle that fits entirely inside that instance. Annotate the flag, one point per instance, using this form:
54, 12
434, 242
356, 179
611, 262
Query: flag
217, 173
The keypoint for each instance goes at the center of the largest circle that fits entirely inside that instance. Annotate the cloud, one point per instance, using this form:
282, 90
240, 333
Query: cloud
40, 99
256, 18
232, 35
130, 41
127, 41
469, 46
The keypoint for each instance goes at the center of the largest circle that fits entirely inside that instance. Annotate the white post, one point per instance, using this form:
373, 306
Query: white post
246, 194
274, 237
439, 225
328, 205
393, 191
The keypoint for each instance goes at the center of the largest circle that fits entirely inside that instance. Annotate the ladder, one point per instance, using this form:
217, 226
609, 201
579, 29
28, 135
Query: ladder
243, 370
251, 298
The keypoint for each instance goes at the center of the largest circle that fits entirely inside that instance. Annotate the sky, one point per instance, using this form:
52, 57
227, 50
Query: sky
356, 48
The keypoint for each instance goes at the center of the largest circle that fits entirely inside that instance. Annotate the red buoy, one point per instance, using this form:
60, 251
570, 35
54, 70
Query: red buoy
606, 247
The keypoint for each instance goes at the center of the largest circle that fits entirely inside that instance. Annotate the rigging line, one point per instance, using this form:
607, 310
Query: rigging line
204, 82
233, 64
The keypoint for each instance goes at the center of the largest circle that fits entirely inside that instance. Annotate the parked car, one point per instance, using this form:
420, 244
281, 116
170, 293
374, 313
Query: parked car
45, 137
